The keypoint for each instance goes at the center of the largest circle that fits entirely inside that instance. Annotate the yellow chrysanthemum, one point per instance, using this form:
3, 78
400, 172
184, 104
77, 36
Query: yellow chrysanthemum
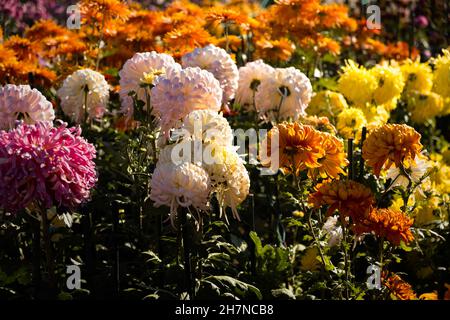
390, 83
350, 123
309, 260
424, 105
418, 76
441, 79
327, 104
375, 115
356, 83
424, 212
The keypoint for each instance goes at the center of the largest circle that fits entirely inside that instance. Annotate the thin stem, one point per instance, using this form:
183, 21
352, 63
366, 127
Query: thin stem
48, 250
187, 254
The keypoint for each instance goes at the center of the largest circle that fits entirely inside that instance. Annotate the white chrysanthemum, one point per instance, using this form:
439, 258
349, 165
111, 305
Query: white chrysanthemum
335, 233
185, 185
229, 176
416, 171
141, 68
180, 92
84, 95
250, 78
217, 61
206, 126
23, 103
286, 95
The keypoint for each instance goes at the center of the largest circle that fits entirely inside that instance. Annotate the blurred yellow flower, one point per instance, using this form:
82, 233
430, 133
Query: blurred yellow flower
309, 261
327, 104
350, 123
390, 83
424, 105
418, 76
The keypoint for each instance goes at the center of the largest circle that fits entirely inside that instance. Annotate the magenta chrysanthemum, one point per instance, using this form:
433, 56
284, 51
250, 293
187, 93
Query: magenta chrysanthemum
45, 165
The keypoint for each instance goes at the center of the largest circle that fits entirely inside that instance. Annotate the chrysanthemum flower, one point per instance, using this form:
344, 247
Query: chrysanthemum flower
350, 123
230, 179
398, 288
22, 102
274, 50
180, 92
45, 165
356, 83
333, 159
441, 78
424, 105
418, 76
375, 115
350, 198
250, 78
334, 232
84, 95
391, 144
415, 170
285, 95
319, 123
135, 74
390, 83
299, 147
219, 63
327, 103
207, 126
386, 223
186, 185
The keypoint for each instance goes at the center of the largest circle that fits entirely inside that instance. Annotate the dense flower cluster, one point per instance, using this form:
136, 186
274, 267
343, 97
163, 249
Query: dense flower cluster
46, 166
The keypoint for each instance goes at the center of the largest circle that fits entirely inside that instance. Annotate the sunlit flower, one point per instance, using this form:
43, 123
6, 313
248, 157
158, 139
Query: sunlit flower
250, 78
219, 63
274, 50
390, 83
327, 104
350, 123
84, 95
23, 103
333, 159
441, 78
133, 76
356, 83
285, 95
418, 76
375, 115
398, 288
424, 105
186, 185
350, 198
414, 170
391, 144
207, 126
386, 223
45, 165
299, 147
230, 179
180, 92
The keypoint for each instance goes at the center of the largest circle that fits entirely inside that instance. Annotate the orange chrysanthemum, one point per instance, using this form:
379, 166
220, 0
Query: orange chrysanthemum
398, 288
299, 147
387, 223
271, 50
350, 198
23, 48
333, 160
391, 144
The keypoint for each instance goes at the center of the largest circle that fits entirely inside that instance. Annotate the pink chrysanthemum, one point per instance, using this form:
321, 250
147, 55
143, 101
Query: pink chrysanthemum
45, 165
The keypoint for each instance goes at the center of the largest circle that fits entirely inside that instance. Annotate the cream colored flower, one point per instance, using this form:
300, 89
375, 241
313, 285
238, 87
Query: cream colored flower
84, 95
142, 69
217, 61
286, 95
22, 102
207, 126
333, 232
415, 170
230, 179
250, 78
180, 92
186, 185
